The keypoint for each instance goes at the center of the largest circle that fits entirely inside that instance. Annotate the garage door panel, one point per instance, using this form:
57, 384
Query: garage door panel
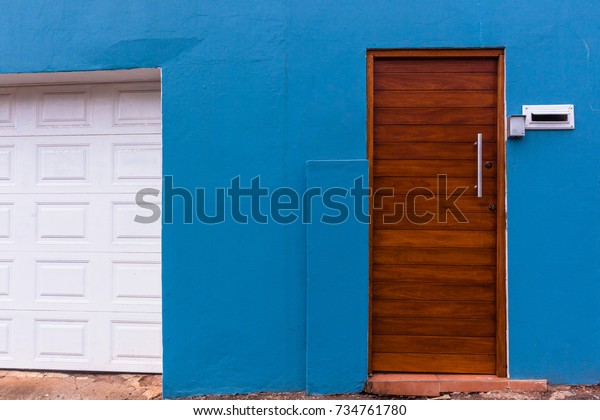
115, 282
80, 278
77, 223
80, 164
137, 342
82, 109
135, 281
7, 218
8, 326
136, 163
130, 342
62, 280
63, 222
7, 108
6, 338
126, 231
7, 164
6, 279
63, 163
61, 339
139, 105
64, 106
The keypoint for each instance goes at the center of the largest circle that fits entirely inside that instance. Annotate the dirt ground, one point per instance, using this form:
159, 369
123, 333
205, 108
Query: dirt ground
561, 392
28, 385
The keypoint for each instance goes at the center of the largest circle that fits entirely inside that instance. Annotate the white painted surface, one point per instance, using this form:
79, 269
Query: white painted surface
80, 281
566, 111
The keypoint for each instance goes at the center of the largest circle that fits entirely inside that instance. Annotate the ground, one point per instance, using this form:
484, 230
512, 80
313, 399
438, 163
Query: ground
561, 392
28, 385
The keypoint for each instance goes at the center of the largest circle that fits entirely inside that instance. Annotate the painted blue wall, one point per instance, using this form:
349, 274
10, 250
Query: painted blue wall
337, 281
259, 88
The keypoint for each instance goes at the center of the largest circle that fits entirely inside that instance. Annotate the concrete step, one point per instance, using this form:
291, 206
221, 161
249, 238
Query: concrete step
432, 385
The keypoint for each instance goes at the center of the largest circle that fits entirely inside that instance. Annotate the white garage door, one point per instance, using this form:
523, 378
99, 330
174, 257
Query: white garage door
80, 281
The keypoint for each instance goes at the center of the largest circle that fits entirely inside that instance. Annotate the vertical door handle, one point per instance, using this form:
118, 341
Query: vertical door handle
479, 164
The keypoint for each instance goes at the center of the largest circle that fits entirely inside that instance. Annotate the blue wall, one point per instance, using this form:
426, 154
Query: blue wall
337, 301
259, 88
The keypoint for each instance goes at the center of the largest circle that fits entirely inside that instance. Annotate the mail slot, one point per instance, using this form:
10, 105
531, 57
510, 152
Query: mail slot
549, 117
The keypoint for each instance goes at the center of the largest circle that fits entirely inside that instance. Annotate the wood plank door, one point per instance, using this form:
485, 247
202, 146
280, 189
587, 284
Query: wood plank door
438, 221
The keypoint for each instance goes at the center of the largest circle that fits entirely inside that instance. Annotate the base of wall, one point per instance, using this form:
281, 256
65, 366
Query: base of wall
431, 385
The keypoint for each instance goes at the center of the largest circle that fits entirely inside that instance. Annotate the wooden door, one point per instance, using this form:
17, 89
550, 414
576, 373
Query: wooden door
437, 249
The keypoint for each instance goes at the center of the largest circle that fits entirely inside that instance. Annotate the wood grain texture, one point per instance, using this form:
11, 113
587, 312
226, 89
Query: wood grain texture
434, 363
435, 81
370, 147
434, 344
418, 205
478, 292
433, 256
431, 53
430, 168
435, 65
442, 151
475, 221
432, 309
446, 327
403, 185
441, 99
435, 116
501, 300
433, 133
434, 238
436, 274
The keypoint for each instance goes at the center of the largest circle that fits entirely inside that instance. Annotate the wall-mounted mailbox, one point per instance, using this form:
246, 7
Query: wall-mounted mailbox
515, 126
549, 117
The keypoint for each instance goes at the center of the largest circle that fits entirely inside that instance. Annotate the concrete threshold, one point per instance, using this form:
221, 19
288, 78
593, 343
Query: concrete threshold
432, 385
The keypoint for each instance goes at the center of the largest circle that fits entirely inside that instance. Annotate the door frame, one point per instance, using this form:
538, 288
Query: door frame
501, 298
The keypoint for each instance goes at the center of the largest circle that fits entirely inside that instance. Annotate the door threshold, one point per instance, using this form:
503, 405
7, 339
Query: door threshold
433, 385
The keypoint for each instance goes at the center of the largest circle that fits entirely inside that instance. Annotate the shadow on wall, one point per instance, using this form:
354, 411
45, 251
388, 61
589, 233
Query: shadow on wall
145, 52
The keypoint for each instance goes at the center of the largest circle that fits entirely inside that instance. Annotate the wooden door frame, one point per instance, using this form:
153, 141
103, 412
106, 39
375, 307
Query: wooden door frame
501, 309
